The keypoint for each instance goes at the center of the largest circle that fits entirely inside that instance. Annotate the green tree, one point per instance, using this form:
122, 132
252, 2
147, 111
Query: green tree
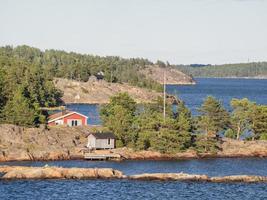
160, 63
148, 123
119, 117
240, 116
184, 126
213, 118
40, 88
259, 121
121, 99
18, 110
204, 144
169, 135
184, 119
31, 85
167, 141
120, 122
2, 90
227, 70
143, 140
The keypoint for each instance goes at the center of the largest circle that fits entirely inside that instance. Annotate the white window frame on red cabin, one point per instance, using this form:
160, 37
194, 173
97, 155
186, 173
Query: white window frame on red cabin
74, 122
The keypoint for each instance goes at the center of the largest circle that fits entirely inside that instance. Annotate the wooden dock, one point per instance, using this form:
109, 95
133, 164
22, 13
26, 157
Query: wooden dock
97, 156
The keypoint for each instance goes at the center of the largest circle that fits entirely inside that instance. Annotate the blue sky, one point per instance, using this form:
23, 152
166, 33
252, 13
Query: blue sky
180, 31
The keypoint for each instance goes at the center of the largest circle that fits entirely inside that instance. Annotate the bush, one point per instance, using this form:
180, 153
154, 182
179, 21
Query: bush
119, 144
204, 144
143, 142
263, 136
229, 133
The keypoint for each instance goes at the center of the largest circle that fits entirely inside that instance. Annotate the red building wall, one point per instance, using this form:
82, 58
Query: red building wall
75, 116
71, 117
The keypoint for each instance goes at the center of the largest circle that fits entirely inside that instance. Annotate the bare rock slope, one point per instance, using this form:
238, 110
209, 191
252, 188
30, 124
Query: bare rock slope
19, 143
99, 92
234, 148
173, 76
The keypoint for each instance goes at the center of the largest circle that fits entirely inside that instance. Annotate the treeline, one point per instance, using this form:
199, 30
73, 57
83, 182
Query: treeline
143, 127
25, 87
255, 69
80, 66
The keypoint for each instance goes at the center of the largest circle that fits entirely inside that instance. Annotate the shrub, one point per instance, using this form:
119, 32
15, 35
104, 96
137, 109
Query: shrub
263, 136
229, 133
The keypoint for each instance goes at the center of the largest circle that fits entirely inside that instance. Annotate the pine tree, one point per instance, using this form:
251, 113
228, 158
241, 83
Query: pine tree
213, 118
184, 119
259, 121
240, 115
18, 110
123, 100
167, 141
119, 117
184, 126
2, 90
204, 144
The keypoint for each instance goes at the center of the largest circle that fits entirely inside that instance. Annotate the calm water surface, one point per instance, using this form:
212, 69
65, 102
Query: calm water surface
223, 89
125, 189
115, 189
211, 167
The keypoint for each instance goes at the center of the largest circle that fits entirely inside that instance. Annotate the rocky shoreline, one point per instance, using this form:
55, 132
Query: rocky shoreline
22, 172
67, 143
135, 155
229, 149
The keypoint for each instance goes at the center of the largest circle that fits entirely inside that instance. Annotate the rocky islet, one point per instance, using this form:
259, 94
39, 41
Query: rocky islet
51, 172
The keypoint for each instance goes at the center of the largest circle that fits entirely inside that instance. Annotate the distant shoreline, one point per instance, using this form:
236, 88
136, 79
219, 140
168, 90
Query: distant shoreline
235, 77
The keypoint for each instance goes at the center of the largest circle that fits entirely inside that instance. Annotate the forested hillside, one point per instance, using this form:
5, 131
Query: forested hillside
25, 88
256, 69
80, 66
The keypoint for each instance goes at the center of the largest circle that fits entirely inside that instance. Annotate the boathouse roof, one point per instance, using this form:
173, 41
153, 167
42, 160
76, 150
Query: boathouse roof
103, 135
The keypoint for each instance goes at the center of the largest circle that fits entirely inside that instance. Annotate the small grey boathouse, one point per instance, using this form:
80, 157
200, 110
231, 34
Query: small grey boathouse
101, 140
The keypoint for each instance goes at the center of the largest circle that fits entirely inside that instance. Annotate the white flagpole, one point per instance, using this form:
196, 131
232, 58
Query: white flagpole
164, 96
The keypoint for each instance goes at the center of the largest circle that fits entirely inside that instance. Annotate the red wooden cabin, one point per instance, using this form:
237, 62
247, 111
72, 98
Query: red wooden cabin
69, 118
